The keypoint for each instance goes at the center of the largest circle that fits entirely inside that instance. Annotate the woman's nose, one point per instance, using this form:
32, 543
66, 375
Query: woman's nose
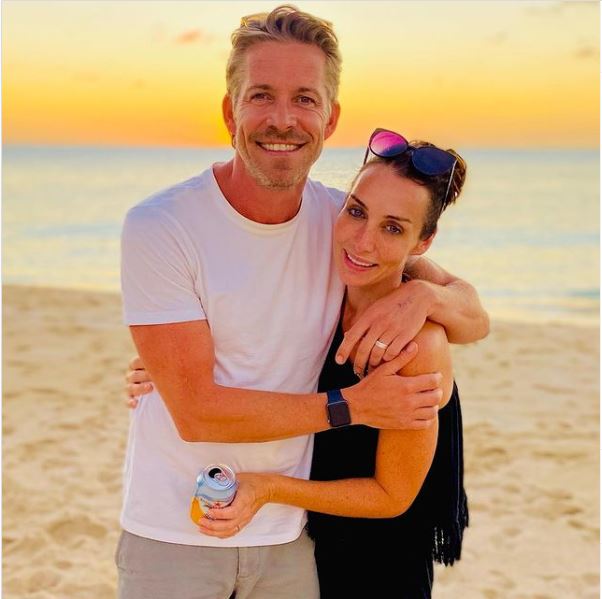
364, 240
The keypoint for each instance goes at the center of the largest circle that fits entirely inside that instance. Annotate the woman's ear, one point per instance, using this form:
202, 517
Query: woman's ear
423, 244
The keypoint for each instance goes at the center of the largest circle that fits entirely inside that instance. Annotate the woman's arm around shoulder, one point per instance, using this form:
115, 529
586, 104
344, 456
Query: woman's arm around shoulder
403, 458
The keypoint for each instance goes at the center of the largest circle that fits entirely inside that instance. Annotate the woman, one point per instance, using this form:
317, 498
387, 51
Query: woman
368, 491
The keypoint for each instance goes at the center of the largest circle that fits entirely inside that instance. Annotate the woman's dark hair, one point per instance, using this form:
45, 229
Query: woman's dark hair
435, 184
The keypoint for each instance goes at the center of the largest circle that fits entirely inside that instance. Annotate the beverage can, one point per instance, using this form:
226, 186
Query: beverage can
216, 487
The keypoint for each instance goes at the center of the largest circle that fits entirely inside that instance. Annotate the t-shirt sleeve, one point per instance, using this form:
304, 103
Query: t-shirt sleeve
157, 273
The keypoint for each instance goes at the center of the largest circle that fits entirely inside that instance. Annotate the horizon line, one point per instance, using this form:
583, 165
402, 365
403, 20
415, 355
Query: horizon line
119, 146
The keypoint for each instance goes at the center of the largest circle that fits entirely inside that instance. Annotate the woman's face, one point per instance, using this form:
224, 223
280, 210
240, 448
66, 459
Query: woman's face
379, 227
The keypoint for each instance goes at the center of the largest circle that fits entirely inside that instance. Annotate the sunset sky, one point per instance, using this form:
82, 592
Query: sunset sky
478, 74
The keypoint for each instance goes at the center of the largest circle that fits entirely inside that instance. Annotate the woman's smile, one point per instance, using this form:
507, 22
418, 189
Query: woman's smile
357, 263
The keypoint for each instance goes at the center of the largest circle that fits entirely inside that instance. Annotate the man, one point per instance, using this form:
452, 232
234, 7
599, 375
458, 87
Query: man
232, 300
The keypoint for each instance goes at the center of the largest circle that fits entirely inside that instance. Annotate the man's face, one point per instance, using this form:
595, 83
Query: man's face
282, 114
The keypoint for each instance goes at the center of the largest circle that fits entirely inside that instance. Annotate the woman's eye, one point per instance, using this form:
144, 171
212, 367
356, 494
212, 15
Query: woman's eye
355, 212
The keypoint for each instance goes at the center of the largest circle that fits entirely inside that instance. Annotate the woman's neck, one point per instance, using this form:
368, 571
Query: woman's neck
358, 299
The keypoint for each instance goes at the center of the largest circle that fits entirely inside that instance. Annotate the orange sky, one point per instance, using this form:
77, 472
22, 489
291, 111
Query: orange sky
510, 74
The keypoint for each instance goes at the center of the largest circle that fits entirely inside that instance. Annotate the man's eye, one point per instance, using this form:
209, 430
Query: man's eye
306, 100
393, 229
259, 97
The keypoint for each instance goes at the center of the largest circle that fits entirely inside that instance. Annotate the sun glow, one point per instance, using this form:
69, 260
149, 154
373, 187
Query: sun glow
520, 74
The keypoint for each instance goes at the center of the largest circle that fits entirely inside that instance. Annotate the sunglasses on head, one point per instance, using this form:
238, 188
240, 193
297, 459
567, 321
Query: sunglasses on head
426, 160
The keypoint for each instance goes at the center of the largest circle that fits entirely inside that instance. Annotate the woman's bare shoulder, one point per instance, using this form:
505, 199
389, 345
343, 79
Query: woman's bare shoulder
433, 355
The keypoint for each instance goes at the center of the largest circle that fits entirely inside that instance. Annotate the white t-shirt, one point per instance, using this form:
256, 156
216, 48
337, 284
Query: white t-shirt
271, 296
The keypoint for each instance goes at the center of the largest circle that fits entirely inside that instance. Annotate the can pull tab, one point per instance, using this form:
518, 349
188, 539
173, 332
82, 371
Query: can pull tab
218, 475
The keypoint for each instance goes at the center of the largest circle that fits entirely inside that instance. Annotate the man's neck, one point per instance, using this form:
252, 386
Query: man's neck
253, 201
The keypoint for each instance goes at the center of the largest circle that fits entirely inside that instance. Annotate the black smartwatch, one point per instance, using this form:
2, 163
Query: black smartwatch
337, 409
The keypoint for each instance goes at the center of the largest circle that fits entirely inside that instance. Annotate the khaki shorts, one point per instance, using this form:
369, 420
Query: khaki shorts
151, 569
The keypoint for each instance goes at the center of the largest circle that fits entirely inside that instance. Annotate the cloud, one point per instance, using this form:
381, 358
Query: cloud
193, 36
497, 39
158, 32
545, 9
557, 8
586, 52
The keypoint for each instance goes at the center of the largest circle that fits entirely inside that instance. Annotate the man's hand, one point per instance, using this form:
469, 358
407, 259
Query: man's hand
137, 382
387, 400
394, 320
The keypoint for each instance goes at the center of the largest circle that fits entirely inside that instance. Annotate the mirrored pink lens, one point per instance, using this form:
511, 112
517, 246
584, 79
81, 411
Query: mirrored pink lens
387, 143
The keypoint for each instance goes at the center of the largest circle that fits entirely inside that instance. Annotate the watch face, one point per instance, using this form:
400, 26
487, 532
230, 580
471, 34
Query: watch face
338, 414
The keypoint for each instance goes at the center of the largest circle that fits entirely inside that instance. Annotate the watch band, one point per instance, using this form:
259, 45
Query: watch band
337, 409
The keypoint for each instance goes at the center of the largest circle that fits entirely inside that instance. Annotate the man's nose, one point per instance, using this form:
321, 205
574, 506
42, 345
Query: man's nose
282, 116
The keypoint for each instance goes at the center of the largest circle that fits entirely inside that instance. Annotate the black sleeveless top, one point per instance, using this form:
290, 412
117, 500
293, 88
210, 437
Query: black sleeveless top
434, 524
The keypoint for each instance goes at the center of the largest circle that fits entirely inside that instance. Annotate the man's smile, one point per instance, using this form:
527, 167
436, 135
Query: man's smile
280, 147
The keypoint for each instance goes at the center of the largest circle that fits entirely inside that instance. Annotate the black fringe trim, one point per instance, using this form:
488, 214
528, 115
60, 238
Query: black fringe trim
447, 538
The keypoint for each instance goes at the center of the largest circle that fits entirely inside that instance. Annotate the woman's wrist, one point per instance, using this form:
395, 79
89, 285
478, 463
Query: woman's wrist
268, 488
262, 484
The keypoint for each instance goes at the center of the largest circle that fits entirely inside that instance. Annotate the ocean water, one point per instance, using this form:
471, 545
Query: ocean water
525, 231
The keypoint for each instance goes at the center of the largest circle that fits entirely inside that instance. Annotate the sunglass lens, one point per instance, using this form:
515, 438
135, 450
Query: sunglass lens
432, 161
387, 144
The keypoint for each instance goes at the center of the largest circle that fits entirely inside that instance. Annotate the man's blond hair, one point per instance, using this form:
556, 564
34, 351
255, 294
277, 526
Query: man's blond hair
285, 23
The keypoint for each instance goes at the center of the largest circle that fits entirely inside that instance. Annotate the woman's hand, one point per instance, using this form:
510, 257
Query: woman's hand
253, 492
393, 321
137, 382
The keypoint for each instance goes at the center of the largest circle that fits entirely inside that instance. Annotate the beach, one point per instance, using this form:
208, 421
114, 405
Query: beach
530, 402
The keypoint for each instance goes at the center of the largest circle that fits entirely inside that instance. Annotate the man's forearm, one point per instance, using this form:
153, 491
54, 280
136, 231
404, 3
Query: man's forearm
228, 415
456, 306
179, 359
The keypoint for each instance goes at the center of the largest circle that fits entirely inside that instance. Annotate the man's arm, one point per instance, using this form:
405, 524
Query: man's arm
454, 303
403, 459
180, 359
434, 294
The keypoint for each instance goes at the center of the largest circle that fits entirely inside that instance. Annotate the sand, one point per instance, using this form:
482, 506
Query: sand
530, 400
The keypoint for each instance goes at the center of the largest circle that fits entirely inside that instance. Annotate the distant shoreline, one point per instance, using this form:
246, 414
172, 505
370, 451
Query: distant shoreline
359, 148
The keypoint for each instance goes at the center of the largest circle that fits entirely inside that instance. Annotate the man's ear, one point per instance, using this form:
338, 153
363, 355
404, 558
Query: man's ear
228, 114
423, 245
331, 125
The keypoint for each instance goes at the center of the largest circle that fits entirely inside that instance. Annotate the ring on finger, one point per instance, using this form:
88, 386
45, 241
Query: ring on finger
378, 343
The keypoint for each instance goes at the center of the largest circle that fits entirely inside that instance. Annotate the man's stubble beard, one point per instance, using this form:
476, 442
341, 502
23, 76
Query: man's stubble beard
266, 179
270, 182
